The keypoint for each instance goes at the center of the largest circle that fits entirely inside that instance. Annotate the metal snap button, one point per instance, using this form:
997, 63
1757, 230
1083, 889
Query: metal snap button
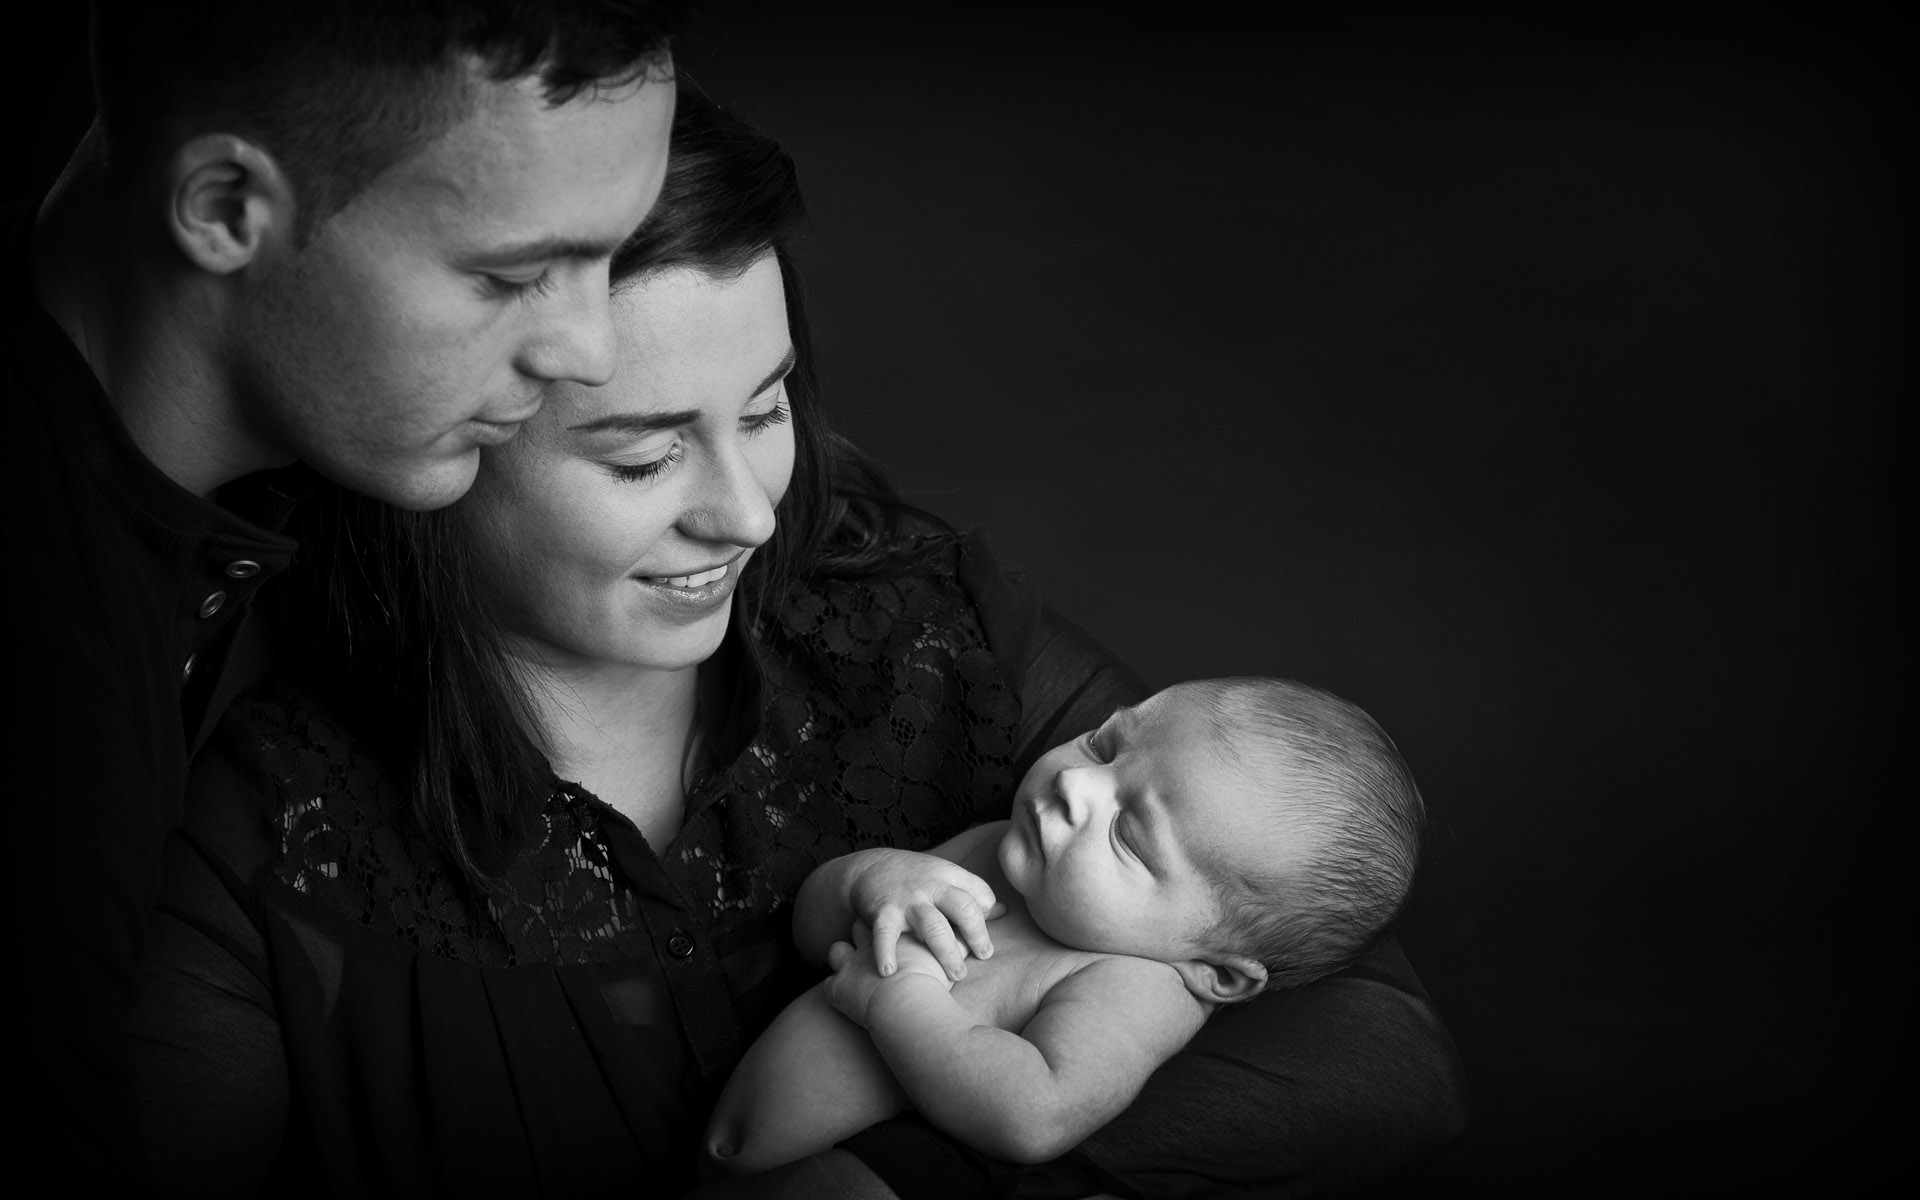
242, 568
212, 604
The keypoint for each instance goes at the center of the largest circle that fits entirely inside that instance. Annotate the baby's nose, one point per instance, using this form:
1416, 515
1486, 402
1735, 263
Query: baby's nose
1072, 788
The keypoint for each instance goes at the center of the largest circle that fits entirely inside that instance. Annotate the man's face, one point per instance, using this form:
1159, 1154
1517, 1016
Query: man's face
428, 317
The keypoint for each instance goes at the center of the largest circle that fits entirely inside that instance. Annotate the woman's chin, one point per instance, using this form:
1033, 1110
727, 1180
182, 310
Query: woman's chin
681, 648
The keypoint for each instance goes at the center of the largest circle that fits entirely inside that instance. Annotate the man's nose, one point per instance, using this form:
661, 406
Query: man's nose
578, 341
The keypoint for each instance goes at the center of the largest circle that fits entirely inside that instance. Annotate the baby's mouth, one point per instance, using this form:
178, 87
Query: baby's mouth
1033, 826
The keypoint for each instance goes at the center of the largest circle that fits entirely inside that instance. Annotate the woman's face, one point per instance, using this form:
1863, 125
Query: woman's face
616, 525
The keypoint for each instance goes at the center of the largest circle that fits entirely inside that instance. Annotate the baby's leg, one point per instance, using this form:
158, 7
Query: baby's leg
812, 1079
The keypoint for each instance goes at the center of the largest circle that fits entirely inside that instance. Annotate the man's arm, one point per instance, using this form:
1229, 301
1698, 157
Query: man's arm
1030, 1096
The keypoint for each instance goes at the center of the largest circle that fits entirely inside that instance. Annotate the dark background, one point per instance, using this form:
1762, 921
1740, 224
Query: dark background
1529, 385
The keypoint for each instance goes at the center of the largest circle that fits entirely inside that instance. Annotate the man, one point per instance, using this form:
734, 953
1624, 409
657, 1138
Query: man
362, 235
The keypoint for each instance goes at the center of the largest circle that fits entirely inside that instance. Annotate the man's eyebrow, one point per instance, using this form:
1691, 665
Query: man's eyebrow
546, 249
640, 424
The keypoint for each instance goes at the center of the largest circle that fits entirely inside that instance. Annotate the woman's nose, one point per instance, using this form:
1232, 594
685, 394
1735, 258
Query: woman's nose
732, 504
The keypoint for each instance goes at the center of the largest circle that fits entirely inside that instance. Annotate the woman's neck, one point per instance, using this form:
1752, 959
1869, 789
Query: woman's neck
626, 735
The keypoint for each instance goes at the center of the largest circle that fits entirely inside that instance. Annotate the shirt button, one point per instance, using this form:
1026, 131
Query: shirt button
211, 604
242, 568
186, 672
680, 944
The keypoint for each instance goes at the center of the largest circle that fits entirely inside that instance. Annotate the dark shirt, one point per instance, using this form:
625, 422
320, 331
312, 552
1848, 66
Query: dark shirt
334, 1009
131, 636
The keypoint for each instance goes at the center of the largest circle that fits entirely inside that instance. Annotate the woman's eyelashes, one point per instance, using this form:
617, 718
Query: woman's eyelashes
637, 472
761, 422
752, 424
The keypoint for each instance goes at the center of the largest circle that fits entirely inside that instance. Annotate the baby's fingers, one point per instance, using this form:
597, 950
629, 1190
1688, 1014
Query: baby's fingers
931, 924
838, 954
969, 919
888, 924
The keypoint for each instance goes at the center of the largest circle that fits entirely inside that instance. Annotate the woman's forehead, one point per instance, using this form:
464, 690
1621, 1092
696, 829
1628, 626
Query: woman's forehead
686, 341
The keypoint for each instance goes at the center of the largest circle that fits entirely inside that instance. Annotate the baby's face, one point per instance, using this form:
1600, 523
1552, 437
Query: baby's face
1118, 836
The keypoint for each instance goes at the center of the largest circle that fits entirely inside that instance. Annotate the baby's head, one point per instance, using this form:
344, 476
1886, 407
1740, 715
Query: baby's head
1252, 832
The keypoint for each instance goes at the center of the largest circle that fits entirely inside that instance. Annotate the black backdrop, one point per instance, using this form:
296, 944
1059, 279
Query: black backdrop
1528, 385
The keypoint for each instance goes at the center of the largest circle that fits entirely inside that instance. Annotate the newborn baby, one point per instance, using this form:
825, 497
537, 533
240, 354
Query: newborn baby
1221, 837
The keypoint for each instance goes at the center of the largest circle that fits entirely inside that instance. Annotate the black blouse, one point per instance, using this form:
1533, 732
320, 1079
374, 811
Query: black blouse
333, 1009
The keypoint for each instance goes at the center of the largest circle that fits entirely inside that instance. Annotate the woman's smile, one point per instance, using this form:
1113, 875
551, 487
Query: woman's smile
620, 523
700, 591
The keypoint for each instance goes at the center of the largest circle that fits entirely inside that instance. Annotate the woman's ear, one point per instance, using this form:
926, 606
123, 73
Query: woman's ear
227, 198
1223, 978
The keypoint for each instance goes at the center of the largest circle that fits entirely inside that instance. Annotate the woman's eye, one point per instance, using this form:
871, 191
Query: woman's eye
761, 422
639, 472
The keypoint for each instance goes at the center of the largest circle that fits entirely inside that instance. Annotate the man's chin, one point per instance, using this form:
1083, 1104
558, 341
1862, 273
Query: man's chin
426, 487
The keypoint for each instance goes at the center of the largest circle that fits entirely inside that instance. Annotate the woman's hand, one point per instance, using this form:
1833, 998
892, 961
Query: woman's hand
945, 904
856, 980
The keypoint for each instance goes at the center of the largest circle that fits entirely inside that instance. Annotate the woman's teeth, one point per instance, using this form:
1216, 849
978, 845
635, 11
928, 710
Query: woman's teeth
693, 581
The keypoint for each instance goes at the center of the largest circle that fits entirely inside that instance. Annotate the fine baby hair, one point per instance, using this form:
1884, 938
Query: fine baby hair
1334, 775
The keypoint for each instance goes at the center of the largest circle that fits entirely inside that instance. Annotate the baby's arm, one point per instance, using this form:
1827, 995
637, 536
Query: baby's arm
1028, 1096
894, 890
814, 1077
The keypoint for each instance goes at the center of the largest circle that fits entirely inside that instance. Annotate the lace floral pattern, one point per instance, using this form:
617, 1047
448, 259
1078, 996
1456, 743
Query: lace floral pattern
884, 720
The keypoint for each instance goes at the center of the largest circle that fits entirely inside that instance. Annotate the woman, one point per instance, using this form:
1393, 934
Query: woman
490, 894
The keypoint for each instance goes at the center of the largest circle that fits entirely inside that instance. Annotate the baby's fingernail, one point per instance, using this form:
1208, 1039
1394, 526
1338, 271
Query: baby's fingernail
886, 969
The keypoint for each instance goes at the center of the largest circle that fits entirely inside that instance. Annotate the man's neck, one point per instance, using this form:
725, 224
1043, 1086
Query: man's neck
140, 324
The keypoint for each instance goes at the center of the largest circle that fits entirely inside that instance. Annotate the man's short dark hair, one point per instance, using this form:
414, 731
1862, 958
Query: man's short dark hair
340, 90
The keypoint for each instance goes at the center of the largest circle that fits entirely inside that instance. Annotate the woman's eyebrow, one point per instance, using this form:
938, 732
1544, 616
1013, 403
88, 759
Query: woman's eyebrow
636, 424
639, 424
774, 376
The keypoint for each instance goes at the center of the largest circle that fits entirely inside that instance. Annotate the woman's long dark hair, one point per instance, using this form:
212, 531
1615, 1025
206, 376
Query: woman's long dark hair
419, 651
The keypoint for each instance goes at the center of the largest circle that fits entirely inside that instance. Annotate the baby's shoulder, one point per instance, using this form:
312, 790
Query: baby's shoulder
1117, 998
1123, 976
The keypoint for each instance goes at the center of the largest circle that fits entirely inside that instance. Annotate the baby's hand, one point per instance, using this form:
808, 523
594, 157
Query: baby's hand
855, 979
947, 905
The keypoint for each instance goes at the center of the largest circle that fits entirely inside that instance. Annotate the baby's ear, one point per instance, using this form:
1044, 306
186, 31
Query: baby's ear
1223, 978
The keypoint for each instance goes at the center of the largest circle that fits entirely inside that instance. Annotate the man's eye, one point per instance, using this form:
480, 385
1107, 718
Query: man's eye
508, 288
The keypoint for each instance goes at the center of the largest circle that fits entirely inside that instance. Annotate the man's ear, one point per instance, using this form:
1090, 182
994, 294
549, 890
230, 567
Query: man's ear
227, 198
1223, 978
